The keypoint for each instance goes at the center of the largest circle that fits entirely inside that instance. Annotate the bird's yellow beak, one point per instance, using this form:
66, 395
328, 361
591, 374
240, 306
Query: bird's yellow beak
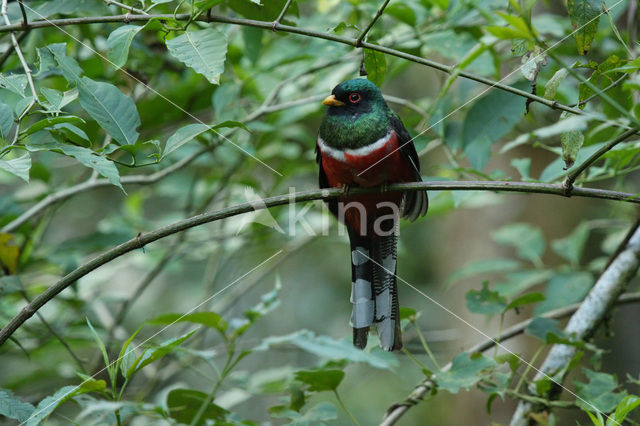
332, 101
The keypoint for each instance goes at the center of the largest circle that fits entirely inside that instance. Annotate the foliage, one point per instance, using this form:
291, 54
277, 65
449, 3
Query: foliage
133, 124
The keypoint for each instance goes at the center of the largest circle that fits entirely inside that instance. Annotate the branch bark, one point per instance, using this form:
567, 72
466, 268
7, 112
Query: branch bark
268, 25
586, 320
397, 410
143, 239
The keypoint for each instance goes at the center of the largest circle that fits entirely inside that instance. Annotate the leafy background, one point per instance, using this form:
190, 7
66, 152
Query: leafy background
133, 125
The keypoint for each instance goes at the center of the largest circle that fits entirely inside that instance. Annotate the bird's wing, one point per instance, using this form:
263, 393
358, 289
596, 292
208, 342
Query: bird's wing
416, 203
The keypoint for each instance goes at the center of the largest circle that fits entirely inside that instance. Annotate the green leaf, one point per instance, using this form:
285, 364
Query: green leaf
320, 380
485, 301
6, 120
551, 88
489, 119
599, 392
111, 368
402, 13
527, 240
483, 266
99, 163
326, 347
208, 319
50, 122
183, 405
565, 289
204, 51
153, 354
113, 110
119, 42
252, 38
465, 372
375, 64
18, 166
627, 405
572, 246
322, 412
182, 136
69, 66
571, 143
525, 299
127, 356
15, 83
545, 329
13, 408
49, 404
585, 15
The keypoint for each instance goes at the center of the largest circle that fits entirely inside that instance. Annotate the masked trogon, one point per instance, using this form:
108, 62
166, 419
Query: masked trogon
363, 143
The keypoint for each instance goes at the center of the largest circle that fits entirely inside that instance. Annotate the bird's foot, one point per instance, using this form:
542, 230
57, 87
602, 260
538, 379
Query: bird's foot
384, 187
345, 189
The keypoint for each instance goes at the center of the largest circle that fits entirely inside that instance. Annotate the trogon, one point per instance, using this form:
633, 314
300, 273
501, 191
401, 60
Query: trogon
363, 143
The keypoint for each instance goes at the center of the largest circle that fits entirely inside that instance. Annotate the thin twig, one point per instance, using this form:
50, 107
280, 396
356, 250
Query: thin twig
141, 240
310, 33
571, 177
372, 23
596, 94
276, 23
126, 7
25, 21
7, 54
397, 410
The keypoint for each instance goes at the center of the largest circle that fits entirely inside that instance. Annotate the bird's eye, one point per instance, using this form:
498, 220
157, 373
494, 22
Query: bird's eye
354, 98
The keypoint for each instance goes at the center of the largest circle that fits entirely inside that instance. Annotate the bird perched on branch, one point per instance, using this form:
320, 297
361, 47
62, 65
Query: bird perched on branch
363, 143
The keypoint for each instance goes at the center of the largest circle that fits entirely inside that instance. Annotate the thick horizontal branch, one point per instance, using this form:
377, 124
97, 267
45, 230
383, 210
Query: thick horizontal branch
323, 194
268, 25
397, 410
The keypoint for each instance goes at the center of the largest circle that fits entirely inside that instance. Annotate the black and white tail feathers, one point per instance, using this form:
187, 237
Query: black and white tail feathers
374, 291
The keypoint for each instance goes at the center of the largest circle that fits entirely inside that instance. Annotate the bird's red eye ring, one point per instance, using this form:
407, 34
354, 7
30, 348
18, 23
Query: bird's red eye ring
354, 98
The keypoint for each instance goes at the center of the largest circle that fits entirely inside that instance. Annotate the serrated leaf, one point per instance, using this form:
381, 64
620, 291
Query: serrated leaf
119, 42
114, 111
545, 329
551, 88
17, 166
320, 380
49, 404
13, 408
485, 301
465, 372
99, 163
6, 120
599, 392
375, 64
585, 15
204, 51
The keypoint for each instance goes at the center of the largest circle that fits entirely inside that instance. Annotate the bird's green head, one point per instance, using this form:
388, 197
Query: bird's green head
357, 115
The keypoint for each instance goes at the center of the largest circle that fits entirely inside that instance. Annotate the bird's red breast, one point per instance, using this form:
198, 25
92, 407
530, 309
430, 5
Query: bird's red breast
379, 162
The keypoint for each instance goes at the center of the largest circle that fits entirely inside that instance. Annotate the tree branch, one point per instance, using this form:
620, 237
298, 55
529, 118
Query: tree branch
323, 194
309, 33
585, 321
372, 23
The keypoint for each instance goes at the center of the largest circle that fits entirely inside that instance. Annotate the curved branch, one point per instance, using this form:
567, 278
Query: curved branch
323, 194
267, 25
397, 410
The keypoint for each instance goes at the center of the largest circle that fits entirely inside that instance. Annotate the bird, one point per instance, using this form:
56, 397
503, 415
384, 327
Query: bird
363, 143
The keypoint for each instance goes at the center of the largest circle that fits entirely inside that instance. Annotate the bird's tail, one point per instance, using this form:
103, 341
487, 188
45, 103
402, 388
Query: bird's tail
385, 288
374, 291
